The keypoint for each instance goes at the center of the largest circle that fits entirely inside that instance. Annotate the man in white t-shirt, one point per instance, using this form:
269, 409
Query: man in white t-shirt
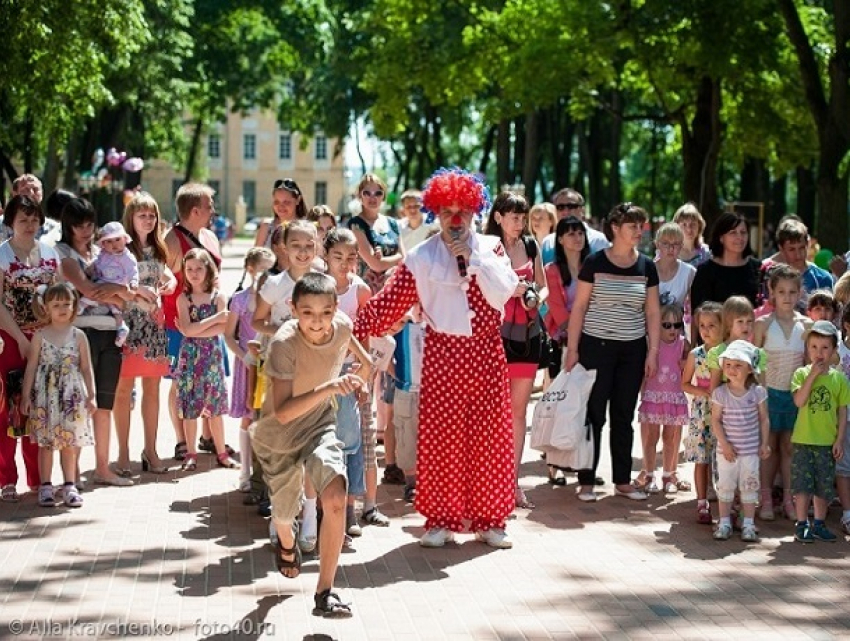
568, 202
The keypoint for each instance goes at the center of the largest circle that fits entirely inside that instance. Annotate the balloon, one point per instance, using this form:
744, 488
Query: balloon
823, 257
113, 158
133, 165
97, 159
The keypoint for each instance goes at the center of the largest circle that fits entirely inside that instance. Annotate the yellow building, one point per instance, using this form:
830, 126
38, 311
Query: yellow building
242, 158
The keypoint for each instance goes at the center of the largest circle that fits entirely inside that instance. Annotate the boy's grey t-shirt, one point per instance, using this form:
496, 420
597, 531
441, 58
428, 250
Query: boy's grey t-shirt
291, 357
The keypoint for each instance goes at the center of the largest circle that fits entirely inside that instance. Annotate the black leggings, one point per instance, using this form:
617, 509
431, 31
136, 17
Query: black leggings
619, 375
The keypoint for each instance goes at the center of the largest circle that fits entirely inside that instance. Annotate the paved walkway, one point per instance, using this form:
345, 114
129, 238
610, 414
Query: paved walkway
179, 556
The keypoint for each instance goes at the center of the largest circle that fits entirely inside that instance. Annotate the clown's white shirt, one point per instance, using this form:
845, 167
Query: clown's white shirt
443, 293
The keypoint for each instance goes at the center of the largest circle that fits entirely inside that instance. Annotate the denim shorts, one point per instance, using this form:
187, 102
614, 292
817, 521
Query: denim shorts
781, 410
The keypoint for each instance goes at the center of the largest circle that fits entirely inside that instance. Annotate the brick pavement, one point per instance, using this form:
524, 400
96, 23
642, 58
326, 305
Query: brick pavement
182, 553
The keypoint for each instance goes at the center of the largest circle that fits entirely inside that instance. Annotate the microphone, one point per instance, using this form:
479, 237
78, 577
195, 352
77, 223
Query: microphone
454, 232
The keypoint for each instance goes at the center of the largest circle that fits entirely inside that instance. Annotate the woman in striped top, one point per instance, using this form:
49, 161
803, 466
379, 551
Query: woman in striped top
614, 329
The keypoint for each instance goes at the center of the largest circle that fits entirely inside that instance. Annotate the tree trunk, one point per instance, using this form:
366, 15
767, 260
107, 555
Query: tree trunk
8, 167
830, 114
701, 148
614, 193
531, 154
29, 143
518, 159
806, 195
561, 132
778, 206
503, 154
194, 147
489, 140
50, 178
70, 178
755, 181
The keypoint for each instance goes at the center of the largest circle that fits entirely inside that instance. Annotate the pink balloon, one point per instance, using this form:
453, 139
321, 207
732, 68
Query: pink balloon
133, 165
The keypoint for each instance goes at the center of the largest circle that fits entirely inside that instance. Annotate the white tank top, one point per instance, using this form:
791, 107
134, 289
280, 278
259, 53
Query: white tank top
347, 301
784, 355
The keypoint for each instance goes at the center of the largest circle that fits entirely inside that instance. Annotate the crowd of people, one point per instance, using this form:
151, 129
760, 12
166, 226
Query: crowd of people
749, 358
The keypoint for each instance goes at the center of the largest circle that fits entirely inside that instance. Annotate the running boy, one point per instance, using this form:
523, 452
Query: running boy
822, 394
297, 433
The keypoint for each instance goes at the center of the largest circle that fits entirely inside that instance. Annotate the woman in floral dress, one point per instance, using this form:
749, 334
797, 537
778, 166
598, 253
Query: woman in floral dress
25, 263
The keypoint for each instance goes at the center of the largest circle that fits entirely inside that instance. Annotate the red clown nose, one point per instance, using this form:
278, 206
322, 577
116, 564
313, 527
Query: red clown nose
456, 220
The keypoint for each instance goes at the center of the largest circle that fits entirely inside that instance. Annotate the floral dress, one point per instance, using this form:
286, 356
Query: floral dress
147, 339
59, 418
700, 441
201, 390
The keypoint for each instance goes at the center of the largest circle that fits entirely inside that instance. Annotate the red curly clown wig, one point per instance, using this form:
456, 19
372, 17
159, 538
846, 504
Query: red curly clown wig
454, 187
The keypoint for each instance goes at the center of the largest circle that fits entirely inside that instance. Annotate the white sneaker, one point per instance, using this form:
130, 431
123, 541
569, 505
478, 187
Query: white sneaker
723, 532
495, 538
749, 534
436, 538
245, 486
845, 525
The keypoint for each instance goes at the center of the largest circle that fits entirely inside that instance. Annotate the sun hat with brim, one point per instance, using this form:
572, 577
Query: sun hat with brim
113, 230
822, 328
742, 351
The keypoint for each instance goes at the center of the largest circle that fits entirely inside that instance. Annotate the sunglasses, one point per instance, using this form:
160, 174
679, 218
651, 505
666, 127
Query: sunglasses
372, 194
668, 325
570, 206
288, 184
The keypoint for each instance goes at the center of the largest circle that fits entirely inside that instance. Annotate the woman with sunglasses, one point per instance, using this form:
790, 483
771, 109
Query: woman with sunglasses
380, 250
615, 329
287, 205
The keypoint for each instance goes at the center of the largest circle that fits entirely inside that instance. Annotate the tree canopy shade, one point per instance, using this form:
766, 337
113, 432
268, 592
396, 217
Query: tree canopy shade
658, 101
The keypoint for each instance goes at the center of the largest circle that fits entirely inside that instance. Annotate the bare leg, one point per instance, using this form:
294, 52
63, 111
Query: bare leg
520, 393
385, 418
843, 483
121, 412
671, 439
287, 541
785, 450
68, 460
801, 505
45, 464
333, 530
649, 434
190, 430
150, 418
102, 420
821, 506
701, 480
216, 427
176, 421
767, 470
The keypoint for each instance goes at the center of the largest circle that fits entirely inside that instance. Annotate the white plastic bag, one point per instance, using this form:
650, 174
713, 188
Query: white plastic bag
543, 418
570, 414
580, 458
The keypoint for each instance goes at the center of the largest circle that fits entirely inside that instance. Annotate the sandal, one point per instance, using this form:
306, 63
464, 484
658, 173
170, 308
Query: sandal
190, 463
72, 496
295, 552
9, 494
672, 484
45, 496
224, 460
376, 517
554, 479
180, 451
521, 500
704, 514
330, 606
208, 445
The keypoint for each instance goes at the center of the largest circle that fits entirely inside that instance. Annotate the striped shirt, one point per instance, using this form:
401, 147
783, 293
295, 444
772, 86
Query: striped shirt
618, 299
741, 417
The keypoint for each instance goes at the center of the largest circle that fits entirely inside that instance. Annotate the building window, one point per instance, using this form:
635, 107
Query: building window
321, 193
249, 146
214, 146
284, 147
321, 147
249, 193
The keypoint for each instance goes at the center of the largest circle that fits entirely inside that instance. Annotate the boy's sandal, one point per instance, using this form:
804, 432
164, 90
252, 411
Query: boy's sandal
9, 494
330, 606
295, 552
180, 451
376, 517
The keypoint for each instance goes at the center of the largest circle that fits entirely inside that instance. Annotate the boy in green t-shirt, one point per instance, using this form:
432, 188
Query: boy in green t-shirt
822, 395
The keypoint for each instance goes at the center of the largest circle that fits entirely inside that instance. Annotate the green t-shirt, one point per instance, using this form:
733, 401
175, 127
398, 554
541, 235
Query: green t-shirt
714, 354
817, 420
